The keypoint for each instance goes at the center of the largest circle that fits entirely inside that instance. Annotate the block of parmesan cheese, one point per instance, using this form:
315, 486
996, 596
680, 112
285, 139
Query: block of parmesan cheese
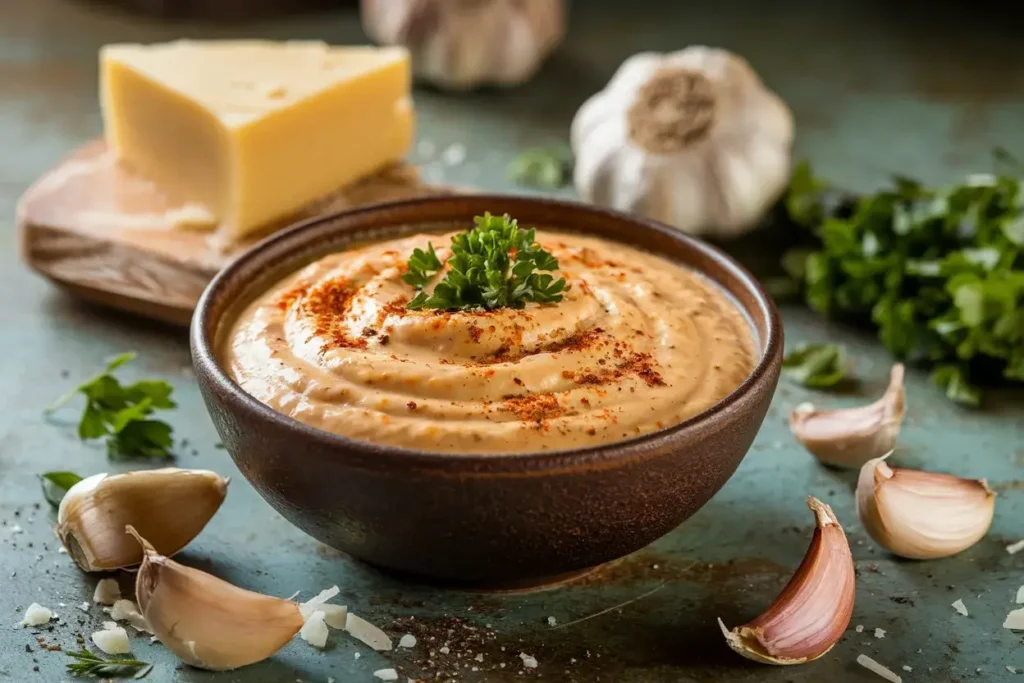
253, 130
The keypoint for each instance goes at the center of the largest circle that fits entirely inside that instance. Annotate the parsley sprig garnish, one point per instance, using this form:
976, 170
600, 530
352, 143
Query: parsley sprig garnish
492, 266
818, 366
121, 413
91, 665
56, 484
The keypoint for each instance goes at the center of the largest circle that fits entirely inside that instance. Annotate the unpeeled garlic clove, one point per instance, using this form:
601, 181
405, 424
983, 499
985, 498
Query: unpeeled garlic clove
922, 515
206, 621
849, 437
813, 610
168, 506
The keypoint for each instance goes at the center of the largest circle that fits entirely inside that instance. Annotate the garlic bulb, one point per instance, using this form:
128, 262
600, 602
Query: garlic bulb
460, 44
690, 138
207, 622
170, 506
811, 613
849, 437
922, 515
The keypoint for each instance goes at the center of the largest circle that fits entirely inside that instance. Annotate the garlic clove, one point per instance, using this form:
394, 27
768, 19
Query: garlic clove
849, 437
207, 622
168, 506
922, 515
813, 610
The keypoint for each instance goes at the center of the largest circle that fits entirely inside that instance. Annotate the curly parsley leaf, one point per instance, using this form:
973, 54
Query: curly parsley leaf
56, 484
938, 272
818, 366
89, 664
122, 413
492, 266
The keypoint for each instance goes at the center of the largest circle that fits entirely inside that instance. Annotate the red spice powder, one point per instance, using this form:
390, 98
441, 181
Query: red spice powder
289, 297
327, 305
536, 408
475, 333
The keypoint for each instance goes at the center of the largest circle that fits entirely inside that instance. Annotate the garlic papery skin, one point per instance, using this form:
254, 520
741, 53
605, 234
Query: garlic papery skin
169, 506
206, 621
691, 138
922, 515
813, 610
462, 44
849, 437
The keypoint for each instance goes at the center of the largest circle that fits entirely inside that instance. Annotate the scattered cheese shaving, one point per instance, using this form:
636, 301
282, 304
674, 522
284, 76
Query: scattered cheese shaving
1015, 620
479, 657
307, 608
859, 628
62, 550
84, 606
335, 616
112, 639
408, 640
445, 650
879, 633
907, 668
1015, 548
314, 630
386, 674
107, 592
356, 655
16, 530
552, 621
1020, 595
960, 607
876, 668
367, 633
528, 661
1011, 669
36, 615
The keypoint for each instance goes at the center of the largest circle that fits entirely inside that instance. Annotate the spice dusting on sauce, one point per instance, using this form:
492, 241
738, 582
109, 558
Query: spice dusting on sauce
636, 344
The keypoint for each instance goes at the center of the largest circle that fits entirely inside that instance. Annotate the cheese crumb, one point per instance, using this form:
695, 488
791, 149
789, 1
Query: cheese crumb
876, 668
112, 639
960, 607
356, 655
1011, 669
859, 628
314, 630
552, 621
36, 615
1020, 595
445, 650
1015, 620
386, 674
907, 668
107, 592
408, 640
16, 530
879, 633
528, 661
479, 657
84, 606
1015, 548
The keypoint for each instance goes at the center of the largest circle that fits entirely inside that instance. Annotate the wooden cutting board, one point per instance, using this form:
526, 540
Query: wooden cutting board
113, 238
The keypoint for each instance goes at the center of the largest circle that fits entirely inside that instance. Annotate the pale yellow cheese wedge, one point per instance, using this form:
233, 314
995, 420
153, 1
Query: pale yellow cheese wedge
253, 130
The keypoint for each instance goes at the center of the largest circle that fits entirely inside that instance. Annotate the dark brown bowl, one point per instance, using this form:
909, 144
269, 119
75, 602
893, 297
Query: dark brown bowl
479, 518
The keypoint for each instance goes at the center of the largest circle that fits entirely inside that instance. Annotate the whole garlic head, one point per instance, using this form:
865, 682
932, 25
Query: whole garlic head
460, 44
690, 138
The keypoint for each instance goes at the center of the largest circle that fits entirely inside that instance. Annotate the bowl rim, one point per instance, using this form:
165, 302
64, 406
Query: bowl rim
205, 361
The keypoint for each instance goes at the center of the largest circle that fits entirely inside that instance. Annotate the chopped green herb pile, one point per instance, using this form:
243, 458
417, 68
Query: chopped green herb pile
818, 366
939, 272
541, 167
56, 484
492, 266
91, 665
121, 413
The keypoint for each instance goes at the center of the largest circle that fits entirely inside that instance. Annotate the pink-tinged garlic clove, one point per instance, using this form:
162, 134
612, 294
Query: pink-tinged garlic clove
922, 515
813, 610
849, 437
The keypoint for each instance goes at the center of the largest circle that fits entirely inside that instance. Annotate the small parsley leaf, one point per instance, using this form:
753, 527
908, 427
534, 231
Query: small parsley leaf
89, 664
122, 413
56, 484
541, 167
492, 266
818, 366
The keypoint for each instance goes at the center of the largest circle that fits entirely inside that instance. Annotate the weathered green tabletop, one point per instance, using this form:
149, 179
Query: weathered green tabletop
873, 89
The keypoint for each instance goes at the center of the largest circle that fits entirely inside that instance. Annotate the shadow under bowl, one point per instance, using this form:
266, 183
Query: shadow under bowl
487, 518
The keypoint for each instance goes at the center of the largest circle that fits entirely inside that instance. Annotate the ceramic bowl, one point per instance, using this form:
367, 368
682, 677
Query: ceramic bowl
479, 518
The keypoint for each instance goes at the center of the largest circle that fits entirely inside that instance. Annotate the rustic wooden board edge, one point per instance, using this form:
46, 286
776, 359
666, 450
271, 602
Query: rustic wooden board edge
158, 274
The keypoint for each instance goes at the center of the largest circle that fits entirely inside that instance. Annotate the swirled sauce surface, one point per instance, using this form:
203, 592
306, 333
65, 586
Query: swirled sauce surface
637, 344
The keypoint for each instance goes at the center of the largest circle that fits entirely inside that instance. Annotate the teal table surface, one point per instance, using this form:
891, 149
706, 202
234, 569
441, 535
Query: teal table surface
926, 92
